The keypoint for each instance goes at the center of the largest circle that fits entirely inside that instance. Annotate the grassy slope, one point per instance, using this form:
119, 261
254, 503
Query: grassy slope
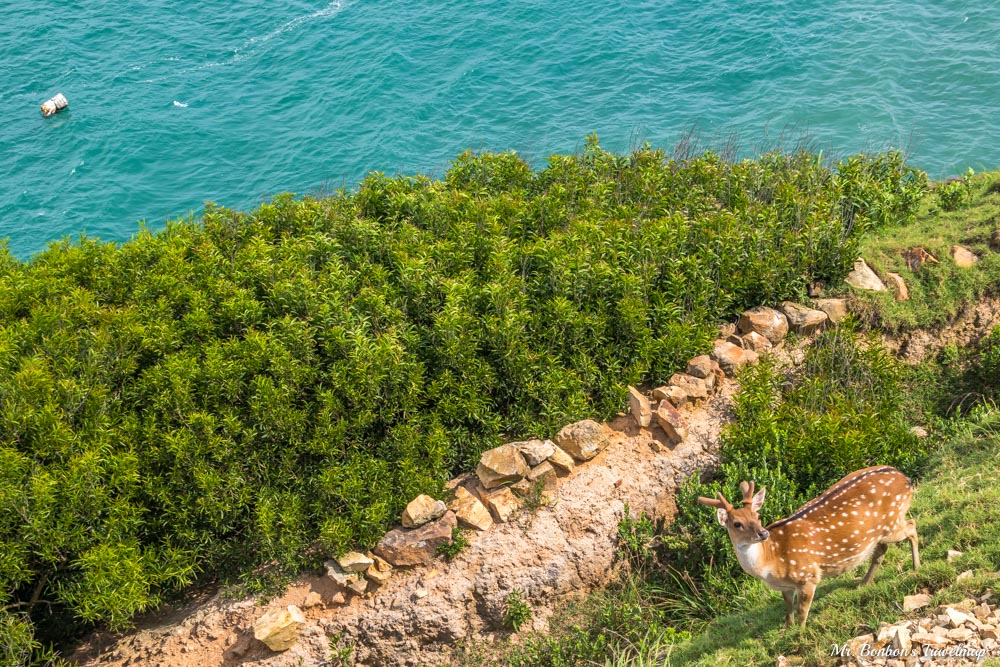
957, 506
937, 292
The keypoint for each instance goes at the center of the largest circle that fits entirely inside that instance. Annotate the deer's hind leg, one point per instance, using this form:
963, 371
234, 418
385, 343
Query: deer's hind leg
877, 556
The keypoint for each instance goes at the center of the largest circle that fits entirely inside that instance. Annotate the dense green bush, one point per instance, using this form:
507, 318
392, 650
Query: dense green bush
237, 389
843, 410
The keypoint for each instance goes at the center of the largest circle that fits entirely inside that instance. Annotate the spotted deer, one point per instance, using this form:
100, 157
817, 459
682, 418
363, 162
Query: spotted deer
856, 518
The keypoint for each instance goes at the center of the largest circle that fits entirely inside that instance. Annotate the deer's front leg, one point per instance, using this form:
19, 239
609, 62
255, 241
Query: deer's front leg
789, 597
806, 594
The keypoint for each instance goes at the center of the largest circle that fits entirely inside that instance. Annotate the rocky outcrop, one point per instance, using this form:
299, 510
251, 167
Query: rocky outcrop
963, 257
803, 320
422, 509
502, 503
917, 257
768, 322
501, 465
958, 634
403, 547
862, 277
897, 286
583, 440
469, 510
562, 461
640, 407
835, 309
353, 561
279, 628
731, 358
672, 422
535, 451
695, 389
756, 342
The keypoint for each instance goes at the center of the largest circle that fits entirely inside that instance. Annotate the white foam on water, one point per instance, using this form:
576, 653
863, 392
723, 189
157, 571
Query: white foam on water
180, 105
252, 45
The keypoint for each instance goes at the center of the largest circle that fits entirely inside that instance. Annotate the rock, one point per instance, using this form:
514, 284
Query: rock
380, 570
359, 586
677, 396
862, 277
502, 503
535, 451
995, 240
960, 634
583, 440
956, 618
464, 479
671, 421
541, 471
735, 340
901, 639
352, 561
768, 322
897, 286
639, 405
501, 465
700, 366
731, 358
337, 574
694, 388
835, 309
404, 547
419, 511
954, 555
313, 599
279, 628
756, 342
521, 489
963, 257
917, 257
929, 639
470, 511
857, 644
815, 289
726, 329
962, 576
802, 320
562, 461
337, 598
915, 602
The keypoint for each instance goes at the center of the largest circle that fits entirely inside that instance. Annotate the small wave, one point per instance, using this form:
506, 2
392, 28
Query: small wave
180, 105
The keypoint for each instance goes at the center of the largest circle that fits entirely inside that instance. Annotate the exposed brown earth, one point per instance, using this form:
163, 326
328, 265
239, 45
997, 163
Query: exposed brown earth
550, 554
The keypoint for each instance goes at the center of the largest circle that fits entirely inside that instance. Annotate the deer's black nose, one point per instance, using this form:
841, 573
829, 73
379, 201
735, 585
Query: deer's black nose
763, 535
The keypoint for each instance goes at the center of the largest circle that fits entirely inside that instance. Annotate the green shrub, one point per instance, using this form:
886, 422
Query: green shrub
244, 388
459, 543
956, 194
516, 611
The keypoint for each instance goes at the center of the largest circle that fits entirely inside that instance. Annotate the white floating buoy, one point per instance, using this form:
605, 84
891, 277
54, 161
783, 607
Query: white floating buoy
54, 105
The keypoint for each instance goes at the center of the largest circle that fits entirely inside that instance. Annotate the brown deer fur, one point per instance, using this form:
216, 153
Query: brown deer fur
855, 519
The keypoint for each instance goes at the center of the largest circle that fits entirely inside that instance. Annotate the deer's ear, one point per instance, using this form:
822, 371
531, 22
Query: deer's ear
722, 515
758, 500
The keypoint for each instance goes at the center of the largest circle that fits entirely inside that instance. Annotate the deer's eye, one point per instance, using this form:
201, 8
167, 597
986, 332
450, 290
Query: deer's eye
737, 524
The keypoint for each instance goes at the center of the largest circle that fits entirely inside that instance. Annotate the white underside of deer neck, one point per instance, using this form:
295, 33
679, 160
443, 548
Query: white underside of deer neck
752, 560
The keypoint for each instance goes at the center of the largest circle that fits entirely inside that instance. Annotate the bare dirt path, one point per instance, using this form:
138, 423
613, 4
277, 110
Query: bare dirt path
554, 553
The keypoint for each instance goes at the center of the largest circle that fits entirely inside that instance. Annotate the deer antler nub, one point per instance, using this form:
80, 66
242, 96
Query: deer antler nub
747, 490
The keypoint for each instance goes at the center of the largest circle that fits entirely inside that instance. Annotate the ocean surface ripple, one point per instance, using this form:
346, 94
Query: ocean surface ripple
174, 105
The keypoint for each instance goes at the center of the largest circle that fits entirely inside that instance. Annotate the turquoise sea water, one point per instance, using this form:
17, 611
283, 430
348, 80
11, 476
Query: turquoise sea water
173, 104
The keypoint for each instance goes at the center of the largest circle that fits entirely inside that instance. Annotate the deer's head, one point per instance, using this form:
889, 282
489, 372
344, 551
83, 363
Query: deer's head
743, 523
